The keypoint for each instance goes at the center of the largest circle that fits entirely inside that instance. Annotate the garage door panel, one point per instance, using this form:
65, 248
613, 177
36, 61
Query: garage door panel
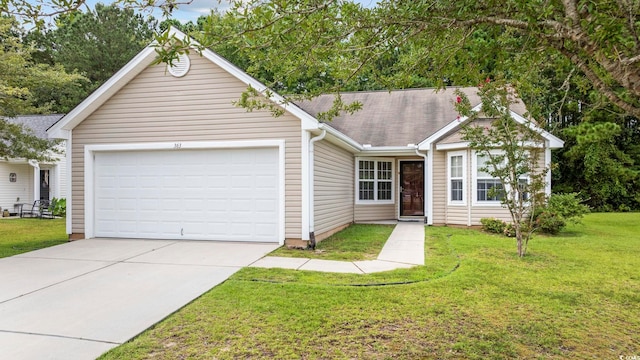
212, 194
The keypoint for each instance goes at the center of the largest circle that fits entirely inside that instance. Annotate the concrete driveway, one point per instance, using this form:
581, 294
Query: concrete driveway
80, 299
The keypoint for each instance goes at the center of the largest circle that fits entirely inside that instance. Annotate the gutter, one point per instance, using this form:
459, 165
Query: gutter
347, 140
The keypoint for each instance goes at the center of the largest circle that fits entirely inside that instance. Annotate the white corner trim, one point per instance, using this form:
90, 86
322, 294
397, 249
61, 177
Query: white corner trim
69, 224
430, 184
306, 185
547, 164
89, 163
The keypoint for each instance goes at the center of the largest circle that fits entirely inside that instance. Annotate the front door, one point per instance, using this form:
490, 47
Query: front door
44, 184
412, 188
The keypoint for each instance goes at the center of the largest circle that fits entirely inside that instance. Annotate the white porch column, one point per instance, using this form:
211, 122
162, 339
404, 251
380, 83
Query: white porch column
36, 179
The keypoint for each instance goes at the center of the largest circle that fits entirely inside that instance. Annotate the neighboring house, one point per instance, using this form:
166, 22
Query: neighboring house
164, 153
23, 180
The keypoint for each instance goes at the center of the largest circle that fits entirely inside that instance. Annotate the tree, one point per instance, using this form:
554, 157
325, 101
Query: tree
600, 39
604, 174
26, 87
98, 43
511, 152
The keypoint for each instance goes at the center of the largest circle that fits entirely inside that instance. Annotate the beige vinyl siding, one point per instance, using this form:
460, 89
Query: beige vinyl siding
374, 212
498, 212
439, 168
333, 187
157, 107
22, 188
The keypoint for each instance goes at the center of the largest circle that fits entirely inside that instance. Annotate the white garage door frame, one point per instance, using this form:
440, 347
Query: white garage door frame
89, 165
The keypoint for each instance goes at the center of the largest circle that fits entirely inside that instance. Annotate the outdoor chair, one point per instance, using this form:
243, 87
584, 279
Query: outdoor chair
39, 208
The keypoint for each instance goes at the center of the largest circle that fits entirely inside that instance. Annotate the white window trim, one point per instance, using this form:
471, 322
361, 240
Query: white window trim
462, 202
375, 181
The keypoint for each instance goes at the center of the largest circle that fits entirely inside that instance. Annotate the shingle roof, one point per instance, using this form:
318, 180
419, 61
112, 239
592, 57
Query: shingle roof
37, 123
395, 118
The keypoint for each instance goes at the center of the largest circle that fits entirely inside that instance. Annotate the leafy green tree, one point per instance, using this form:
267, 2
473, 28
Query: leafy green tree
511, 153
306, 38
26, 87
604, 174
98, 43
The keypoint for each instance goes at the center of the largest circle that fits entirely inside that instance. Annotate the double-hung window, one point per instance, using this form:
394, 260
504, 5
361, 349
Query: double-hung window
374, 181
456, 175
488, 188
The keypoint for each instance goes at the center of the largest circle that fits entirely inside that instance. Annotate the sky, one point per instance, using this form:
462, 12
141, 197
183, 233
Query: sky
196, 8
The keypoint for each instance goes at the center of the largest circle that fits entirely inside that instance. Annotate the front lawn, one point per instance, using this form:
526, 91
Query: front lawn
22, 235
576, 295
357, 242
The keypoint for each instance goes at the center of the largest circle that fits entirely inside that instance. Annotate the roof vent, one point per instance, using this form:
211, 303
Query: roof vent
180, 66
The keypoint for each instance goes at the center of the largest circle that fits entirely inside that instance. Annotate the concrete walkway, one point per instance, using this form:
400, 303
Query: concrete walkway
403, 249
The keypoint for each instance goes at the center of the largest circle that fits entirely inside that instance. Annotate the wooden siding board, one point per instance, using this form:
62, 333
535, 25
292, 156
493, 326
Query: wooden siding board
156, 107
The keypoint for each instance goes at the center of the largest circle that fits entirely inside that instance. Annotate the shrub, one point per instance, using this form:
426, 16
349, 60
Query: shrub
549, 222
559, 210
568, 207
59, 207
493, 225
509, 230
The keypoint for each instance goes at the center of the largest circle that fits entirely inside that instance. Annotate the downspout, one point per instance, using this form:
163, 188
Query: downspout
312, 235
36, 179
424, 203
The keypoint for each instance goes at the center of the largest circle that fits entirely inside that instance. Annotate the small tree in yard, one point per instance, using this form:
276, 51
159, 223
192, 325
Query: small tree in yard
508, 151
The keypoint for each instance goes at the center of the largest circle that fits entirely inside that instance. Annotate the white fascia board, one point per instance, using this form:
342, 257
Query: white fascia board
553, 141
140, 62
425, 145
453, 146
389, 151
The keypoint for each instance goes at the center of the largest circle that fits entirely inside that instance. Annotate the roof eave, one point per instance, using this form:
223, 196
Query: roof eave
141, 62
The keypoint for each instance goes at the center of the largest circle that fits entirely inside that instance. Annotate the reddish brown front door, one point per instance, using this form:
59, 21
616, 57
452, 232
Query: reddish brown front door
411, 188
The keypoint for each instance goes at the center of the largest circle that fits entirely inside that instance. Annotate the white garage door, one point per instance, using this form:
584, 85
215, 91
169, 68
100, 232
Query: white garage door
200, 194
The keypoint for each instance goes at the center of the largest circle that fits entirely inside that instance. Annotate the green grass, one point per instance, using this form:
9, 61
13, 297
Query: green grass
357, 242
576, 296
22, 235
